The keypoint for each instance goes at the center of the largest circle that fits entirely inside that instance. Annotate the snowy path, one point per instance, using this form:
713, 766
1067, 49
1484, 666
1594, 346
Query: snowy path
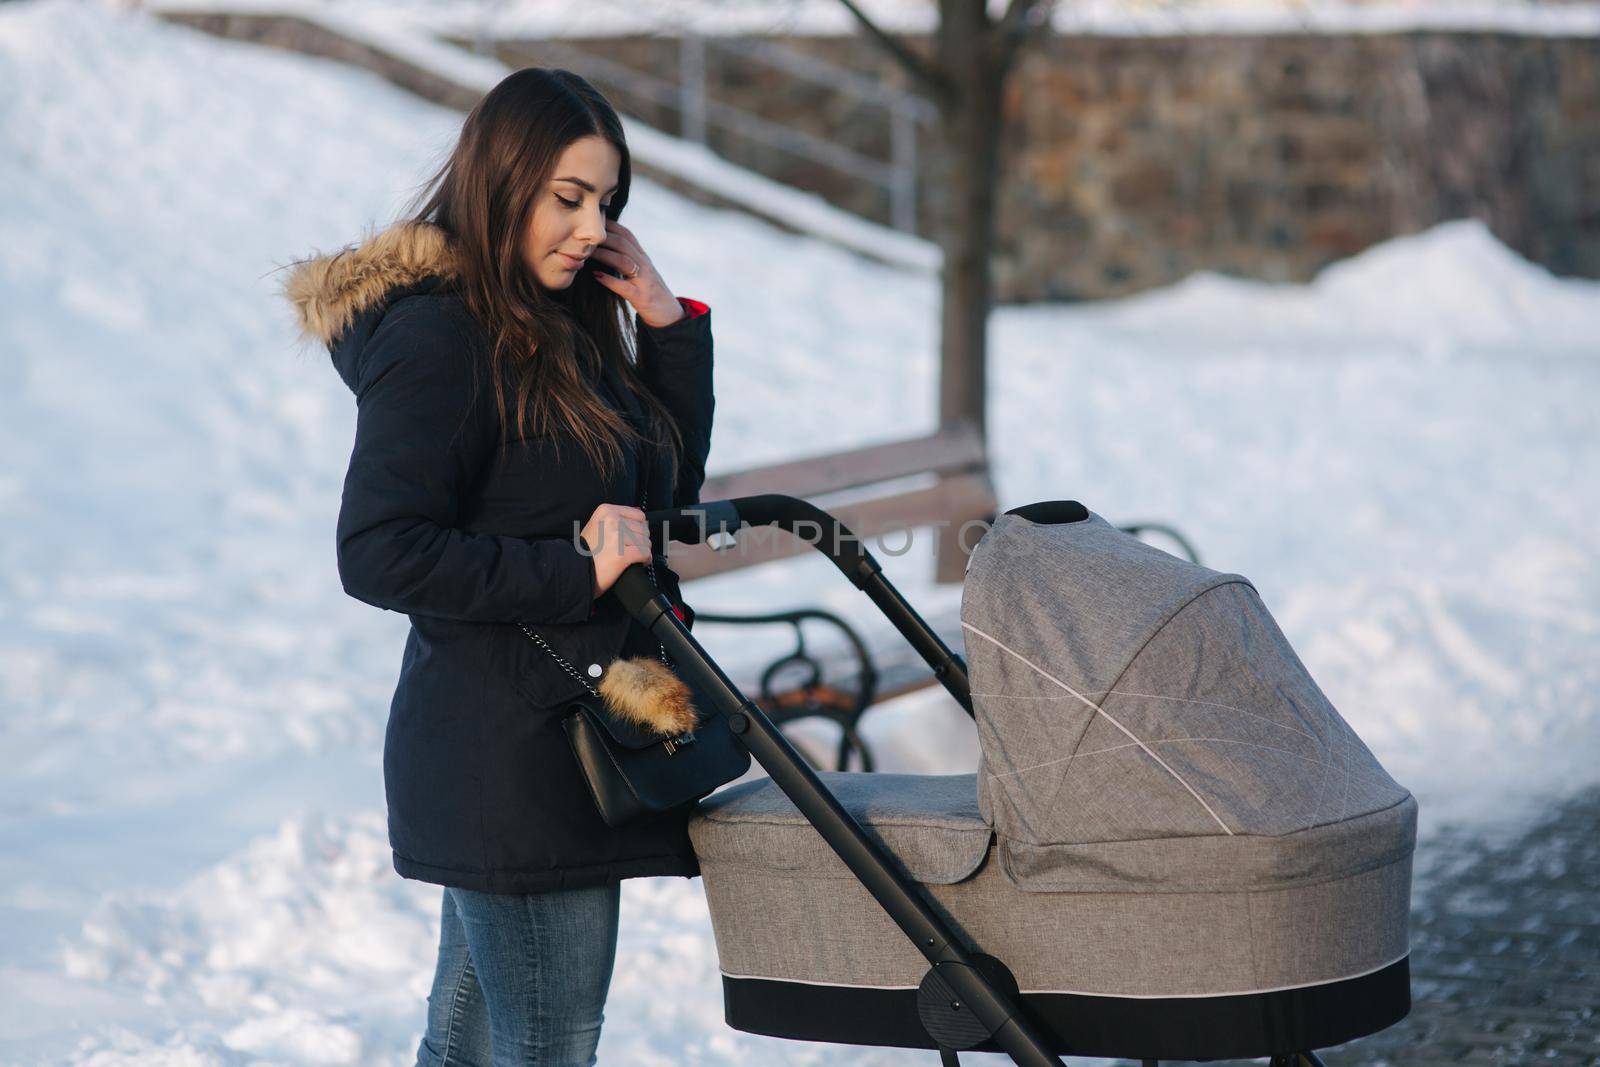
192, 858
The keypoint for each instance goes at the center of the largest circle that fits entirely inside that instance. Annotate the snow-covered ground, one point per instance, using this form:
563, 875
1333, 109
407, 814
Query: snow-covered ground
192, 860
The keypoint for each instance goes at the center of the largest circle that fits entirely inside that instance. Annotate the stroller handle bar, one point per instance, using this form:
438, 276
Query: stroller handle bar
964, 990
697, 523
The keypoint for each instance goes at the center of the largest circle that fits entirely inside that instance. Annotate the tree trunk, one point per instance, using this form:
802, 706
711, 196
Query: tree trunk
970, 126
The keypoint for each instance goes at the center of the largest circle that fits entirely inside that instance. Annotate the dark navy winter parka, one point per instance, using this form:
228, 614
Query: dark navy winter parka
483, 792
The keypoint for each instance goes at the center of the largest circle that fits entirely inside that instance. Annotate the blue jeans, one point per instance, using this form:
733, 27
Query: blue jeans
522, 979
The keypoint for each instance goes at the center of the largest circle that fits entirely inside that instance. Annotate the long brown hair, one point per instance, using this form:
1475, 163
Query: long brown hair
546, 346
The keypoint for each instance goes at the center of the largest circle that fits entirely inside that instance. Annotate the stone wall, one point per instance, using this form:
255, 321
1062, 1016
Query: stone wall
1131, 162
1138, 161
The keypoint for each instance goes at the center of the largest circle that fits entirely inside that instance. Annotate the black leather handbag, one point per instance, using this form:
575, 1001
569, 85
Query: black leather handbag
636, 775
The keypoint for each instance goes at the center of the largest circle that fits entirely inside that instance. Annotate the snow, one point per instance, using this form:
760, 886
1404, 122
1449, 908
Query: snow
193, 867
1117, 18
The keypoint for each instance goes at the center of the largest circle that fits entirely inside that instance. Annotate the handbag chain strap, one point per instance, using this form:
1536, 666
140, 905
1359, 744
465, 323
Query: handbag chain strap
561, 661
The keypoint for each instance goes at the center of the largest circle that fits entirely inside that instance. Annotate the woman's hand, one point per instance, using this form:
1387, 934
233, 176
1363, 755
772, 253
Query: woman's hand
645, 290
618, 536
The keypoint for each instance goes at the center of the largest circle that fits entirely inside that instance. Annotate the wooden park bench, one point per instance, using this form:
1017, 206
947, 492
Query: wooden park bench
877, 490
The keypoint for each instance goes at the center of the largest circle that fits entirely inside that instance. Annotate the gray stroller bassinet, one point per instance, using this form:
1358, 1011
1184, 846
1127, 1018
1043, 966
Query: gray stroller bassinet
1173, 847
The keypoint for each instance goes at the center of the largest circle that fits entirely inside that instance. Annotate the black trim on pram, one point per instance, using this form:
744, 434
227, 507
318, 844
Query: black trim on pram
1280, 1022
968, 1000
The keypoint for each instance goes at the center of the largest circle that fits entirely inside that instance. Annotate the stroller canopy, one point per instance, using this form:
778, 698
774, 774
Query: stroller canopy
1145, 725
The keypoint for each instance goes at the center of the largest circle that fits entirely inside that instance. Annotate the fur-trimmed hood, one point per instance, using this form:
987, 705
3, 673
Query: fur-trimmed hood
340, 298
328, 292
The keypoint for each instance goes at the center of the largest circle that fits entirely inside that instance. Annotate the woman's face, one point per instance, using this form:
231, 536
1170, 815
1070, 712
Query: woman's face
569, 220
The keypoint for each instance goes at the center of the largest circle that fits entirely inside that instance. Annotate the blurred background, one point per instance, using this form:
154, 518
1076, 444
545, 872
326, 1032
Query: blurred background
1312, 285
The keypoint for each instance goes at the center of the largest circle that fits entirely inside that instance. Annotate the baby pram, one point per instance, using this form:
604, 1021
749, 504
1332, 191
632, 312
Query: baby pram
1173, 848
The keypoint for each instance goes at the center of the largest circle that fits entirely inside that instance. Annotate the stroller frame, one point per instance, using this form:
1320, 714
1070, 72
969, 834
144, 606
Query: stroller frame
965, 1000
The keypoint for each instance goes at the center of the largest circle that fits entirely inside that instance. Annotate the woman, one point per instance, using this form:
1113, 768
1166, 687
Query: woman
499, 412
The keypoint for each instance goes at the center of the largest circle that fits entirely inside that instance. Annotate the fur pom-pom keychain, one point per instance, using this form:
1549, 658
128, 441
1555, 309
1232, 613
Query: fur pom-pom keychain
645, 692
